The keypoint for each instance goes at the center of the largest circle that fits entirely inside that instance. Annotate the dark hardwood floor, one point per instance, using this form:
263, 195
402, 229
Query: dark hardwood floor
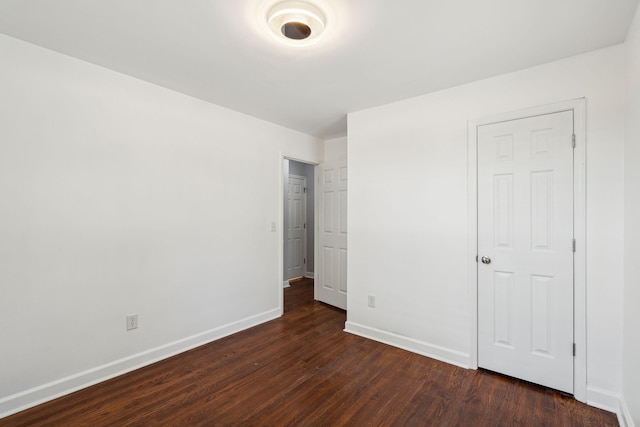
303, 370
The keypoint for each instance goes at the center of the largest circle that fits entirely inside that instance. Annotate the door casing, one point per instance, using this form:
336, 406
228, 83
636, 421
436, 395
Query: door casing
578, 106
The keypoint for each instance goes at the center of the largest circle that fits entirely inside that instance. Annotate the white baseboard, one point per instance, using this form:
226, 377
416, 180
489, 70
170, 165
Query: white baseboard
603, 399
35, 396
452, 357
310, 275
285, 284
624, 415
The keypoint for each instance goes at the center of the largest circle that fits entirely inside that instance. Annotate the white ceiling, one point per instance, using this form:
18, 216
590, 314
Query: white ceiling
374, 52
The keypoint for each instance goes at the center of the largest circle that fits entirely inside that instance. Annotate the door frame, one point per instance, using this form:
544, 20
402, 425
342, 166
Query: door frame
578, 106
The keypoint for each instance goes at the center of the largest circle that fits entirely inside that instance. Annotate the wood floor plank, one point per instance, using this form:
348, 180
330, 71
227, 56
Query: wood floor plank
303, 370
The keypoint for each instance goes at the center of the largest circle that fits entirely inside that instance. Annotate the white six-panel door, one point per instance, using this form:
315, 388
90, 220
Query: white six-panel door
296, 227
525, 249
331, 284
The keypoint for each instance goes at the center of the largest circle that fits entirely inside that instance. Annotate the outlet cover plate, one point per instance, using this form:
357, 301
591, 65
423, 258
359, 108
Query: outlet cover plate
132, 322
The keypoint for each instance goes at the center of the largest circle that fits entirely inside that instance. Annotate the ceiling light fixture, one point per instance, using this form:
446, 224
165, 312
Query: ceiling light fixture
296, 23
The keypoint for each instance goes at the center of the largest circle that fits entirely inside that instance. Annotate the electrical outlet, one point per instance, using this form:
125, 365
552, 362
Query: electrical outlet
132, 322
372, 301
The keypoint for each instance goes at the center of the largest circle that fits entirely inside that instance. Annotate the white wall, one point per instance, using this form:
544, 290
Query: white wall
335, 149
120, 197
631, 371
408, 175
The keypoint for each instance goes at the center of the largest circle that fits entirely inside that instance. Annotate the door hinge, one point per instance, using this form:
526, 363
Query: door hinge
476, 258
304, 225
305, 261
574, 245
305, 189
574, 349
573, 140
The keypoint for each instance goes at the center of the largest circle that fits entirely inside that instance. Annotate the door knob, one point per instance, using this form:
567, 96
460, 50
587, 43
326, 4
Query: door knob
486, 260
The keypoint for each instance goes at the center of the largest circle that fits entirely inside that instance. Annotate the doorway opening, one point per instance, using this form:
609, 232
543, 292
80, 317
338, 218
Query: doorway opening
323, 254
298, 221
298, 229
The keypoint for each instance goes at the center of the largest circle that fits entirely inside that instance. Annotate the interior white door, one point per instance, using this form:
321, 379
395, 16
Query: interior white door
331, 283
525, 249
296, 227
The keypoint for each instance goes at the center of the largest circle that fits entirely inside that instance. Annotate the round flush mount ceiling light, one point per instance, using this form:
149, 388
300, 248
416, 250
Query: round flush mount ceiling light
296, 23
